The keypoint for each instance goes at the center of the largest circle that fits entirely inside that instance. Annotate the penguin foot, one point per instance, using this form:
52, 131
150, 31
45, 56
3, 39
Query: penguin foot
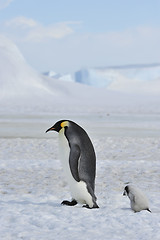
94, 206
69, 203
86, 206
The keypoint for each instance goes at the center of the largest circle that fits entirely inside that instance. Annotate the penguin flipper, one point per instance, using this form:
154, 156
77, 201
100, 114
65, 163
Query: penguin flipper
74, 161
134, 199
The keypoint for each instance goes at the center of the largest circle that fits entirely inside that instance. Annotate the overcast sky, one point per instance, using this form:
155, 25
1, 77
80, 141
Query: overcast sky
66, 35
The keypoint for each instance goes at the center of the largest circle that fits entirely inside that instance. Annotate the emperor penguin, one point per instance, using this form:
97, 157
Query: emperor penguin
138, 200
78, 161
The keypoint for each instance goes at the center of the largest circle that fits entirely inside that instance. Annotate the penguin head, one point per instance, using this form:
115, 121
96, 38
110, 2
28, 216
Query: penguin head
126, 191
59, 125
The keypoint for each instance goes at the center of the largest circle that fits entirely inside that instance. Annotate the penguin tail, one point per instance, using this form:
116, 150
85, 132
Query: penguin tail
95, 205
148, 210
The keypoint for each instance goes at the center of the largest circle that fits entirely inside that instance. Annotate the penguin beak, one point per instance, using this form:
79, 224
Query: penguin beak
124, 193
50, 129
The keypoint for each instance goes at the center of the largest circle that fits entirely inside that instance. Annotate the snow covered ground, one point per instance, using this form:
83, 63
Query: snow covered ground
32, 183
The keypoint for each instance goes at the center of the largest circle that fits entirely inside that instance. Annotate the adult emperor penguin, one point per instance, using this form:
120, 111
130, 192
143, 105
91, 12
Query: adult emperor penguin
79, 162
137, 198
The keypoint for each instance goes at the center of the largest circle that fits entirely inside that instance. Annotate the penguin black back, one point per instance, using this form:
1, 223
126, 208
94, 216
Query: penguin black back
77, 136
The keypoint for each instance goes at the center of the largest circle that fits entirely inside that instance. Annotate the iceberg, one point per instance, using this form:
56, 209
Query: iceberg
111, 89
130, 78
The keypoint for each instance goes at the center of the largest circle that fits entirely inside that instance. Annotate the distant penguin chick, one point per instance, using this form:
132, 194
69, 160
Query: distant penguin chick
78, 161
138, 200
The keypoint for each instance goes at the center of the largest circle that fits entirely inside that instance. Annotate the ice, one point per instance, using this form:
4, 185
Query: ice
131, 78
127, 79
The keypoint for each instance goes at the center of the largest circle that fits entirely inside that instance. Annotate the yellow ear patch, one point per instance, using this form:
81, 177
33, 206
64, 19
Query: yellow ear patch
64, 124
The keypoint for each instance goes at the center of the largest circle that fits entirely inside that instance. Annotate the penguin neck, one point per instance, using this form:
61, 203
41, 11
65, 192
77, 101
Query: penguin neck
64, 151
63, 146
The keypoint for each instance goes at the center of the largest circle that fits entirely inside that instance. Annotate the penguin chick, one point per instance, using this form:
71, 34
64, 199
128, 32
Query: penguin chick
138, 200
78, 161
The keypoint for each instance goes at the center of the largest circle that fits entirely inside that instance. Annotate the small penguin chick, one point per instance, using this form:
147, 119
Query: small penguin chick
138, 200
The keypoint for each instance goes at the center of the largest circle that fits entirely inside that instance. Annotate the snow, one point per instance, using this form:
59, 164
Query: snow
124, 129
32, 185
16, 77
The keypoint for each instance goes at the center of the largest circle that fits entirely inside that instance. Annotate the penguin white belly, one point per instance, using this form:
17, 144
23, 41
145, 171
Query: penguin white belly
78, 190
